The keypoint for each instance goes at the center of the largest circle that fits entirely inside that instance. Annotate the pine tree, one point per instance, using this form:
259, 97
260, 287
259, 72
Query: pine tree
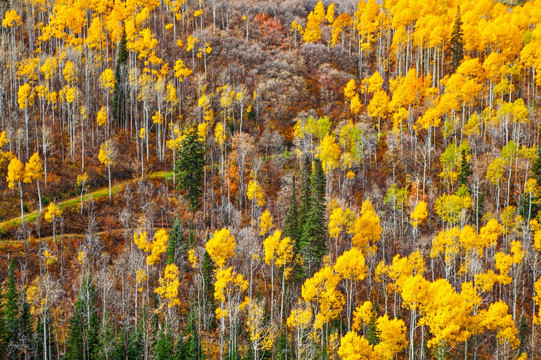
175, 237
522, 334
457, 43
11, 312
531, 206
189, 346
25, 328
465, 170
108, 346
189, 168
207, 270
536, 167
165, 344
313, 243
291, 225
120, 75
84, 326
306, 173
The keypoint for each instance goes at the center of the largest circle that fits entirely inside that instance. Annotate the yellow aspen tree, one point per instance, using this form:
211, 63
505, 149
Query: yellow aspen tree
299, 322
82, 179
14, 177
312, 32
169, 286
355, 347
392, 337
107, 156
228, 290
221, 247
321, 291
51, 214
265, 223
419, 214
367, 229
255, 192
34, 171
351, 267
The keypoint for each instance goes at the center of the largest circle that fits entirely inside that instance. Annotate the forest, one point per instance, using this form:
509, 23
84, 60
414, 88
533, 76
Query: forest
270, 179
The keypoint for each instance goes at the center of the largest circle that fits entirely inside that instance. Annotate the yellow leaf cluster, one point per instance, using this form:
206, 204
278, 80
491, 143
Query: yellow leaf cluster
221, 247
367, 229
419, 214
265, 222
169, 285
52, 212
254, 191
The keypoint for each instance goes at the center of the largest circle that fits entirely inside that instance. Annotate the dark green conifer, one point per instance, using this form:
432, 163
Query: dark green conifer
189, 168
10, 313
291, 225
119, 96
82, 340
165, 344
465, 170
457, 43
313, 243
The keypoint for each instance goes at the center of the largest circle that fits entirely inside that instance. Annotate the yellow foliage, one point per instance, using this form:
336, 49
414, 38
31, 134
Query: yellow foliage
221, 247
219, 133
15, 172
169, 285
321, 289
392, 336
25, 96
158, 246
101, 117
33, 169
11, 18
366, 229
265, 222
52, 212
254, 191
3, 139
362, 315
351, 265
419, 214
106, 153
355, 347
181, 71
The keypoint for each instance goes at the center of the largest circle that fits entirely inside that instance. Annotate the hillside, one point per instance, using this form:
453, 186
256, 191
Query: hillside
281, 180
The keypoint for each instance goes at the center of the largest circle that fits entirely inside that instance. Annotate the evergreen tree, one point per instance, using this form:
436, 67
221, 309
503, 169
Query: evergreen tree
282, 345
119, 96
83, 332
291, 225
175, 237
522, 334
108, 346
164, 345
457, 43
306, 173
536, 167
313, 243
44, 322
207, 270
25, 329
465, 170
189, 168
10, 313
189, 349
